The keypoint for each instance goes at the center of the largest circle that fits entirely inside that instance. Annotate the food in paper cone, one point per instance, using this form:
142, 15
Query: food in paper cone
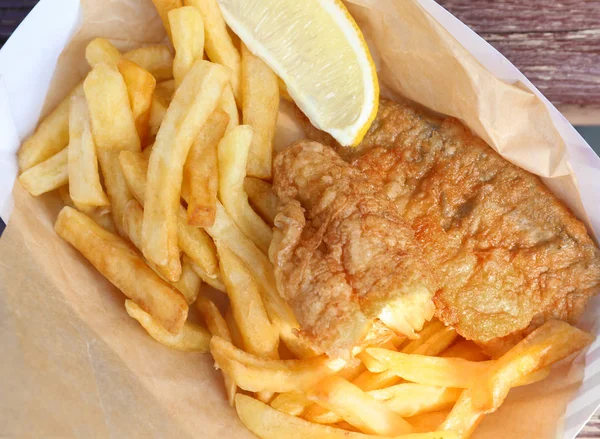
397, 288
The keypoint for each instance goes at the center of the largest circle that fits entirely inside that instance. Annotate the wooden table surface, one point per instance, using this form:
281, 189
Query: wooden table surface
556, 44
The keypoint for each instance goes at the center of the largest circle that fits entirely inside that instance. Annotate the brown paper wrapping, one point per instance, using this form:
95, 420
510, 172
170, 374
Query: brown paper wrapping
75, 365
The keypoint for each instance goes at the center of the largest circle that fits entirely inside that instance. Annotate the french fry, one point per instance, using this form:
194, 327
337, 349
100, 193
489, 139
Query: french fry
113, 124
218, 328
217, 42
140, 88
100, 50
358, 408
119, 263
372, 381
116, 186
216, 282
268, 423
551, 342
187, 34
428, 421
165, 91
259, 335
193, 103
437, 343
234, 331
434, 371
201, 172
100, 215
467, 350
47, 175
134, 167
233, 155
321, 415
228, 105
113, 127
158, 60
410, 399
280, 314
50, 137
189, 282
260, 106
262, 198
164, 7
314, 412
427, 332
256, 374
140, 82
194, 242
191, 337
292, 403
84, 177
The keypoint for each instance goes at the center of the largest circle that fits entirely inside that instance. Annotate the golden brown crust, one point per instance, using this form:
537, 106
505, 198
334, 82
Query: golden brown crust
341, 251
508, 254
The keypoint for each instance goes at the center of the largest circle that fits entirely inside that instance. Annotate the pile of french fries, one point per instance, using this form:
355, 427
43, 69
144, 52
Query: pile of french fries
166, 191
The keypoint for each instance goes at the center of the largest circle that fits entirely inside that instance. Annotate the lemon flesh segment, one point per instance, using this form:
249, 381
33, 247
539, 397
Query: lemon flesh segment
317, 49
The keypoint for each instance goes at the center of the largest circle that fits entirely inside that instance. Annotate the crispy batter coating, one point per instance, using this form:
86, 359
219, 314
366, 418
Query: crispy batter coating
343, 255
506, 253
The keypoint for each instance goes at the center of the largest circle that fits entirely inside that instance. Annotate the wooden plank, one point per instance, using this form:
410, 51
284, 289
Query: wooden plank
555, 44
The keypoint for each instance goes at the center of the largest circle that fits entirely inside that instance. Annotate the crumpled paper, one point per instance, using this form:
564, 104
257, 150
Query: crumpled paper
75, 365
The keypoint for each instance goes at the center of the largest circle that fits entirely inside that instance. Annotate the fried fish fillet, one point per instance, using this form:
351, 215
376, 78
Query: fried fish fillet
343, 255
505, 252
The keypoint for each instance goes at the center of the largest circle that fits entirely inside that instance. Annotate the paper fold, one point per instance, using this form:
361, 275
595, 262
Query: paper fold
75, 365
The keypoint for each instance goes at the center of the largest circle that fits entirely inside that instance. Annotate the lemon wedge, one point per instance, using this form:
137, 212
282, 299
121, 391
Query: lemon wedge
317, 49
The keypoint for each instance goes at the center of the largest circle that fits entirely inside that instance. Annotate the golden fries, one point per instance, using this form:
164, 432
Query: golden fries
113, 124
117, 261
260, 98
50, 137
140, 88
100, 50
292, 403
550, 343
433, 371
358, 408
194, 242
158, 60
191, 337
467, 350
164, 7
217, 42
234, 331
257, 374
437, 343
84, 177
280, 314
262, 199
410, 399
189, 282
157, 114
373, 381
268, 423
227, 104
233, 154
218, 328
201, 172
259, 335
47, 175
194, 102
187, 34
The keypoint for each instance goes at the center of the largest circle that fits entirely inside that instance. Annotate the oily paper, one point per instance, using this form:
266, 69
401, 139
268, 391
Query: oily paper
74, 363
